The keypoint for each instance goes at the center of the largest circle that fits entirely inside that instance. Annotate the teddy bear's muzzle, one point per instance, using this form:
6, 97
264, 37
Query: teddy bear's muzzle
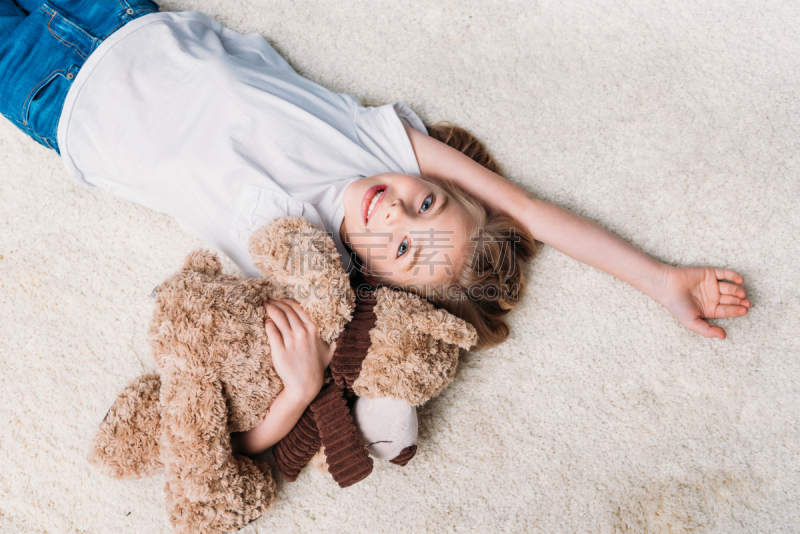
387, 426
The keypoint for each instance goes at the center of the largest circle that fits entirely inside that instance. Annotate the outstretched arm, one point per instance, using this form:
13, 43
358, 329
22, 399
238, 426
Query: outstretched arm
689, 293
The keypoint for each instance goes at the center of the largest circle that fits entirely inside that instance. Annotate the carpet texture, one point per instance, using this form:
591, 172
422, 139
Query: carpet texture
675, 125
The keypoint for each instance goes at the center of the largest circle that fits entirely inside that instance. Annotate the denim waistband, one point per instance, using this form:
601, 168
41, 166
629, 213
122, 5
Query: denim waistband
42, 50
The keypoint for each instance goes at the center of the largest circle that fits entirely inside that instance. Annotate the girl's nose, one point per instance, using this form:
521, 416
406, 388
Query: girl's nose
395, 211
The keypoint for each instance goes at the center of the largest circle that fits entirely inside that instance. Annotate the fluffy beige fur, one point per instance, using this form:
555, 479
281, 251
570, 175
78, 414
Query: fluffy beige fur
125, 447
414, 349
216, 372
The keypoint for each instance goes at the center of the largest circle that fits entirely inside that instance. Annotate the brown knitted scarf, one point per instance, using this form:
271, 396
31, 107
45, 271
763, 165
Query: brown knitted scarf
327, 420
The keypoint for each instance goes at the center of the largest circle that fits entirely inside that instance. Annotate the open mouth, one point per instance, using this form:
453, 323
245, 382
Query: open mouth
372, 198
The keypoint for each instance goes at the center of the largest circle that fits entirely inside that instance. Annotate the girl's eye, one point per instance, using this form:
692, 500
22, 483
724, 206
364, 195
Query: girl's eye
426, 204
403, 248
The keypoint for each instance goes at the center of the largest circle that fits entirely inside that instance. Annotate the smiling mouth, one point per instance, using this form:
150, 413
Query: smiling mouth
372, 198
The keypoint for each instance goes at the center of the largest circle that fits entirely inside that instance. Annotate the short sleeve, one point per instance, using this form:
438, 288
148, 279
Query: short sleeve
413, 120
380, 131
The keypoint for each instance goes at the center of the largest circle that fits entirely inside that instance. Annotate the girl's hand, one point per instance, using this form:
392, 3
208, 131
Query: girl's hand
298, 354
693, 293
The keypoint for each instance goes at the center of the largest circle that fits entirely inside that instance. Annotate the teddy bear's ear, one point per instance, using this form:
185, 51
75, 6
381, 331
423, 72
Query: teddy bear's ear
303, 259
203, 261
447, 327
425, 318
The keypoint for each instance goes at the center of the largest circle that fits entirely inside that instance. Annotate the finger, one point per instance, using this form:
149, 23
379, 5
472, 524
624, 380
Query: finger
274, 335
309, 325
727, 274
301, 313
728, 299
728, 310
726, 288
279, 318
735, 301
291, 315
705, 329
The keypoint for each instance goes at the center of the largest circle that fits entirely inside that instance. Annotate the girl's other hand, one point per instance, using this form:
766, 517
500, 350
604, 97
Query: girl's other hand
298, 354
693, 293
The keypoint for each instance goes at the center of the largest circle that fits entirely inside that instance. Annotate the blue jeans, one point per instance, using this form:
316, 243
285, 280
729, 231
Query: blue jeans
42, 48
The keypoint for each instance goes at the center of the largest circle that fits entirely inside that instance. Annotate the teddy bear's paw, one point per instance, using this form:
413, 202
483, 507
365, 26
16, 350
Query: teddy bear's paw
303, 259
403, 311
414, 351
245, 492
448, 328
127, 443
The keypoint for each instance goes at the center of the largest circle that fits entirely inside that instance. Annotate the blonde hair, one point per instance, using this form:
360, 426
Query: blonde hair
491, 279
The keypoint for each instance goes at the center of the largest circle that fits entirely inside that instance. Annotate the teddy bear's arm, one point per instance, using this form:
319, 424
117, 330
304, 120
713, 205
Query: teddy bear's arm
302, 259
194, 423
201, 470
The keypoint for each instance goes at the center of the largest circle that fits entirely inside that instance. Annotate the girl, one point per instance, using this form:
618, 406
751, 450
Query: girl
175, 112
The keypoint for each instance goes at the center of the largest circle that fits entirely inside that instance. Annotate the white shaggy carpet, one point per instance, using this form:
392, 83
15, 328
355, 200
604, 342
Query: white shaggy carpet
674, 124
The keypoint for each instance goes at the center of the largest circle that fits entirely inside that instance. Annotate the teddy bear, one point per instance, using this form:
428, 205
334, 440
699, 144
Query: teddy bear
395, 351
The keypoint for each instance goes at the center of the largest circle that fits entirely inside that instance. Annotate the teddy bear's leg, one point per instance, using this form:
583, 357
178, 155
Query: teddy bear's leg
320, 461
208, 489
127, 443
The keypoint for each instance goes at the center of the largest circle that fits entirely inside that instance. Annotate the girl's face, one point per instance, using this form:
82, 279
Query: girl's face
405, 230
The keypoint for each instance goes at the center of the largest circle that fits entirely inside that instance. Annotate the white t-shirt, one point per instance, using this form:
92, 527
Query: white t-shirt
179, 114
